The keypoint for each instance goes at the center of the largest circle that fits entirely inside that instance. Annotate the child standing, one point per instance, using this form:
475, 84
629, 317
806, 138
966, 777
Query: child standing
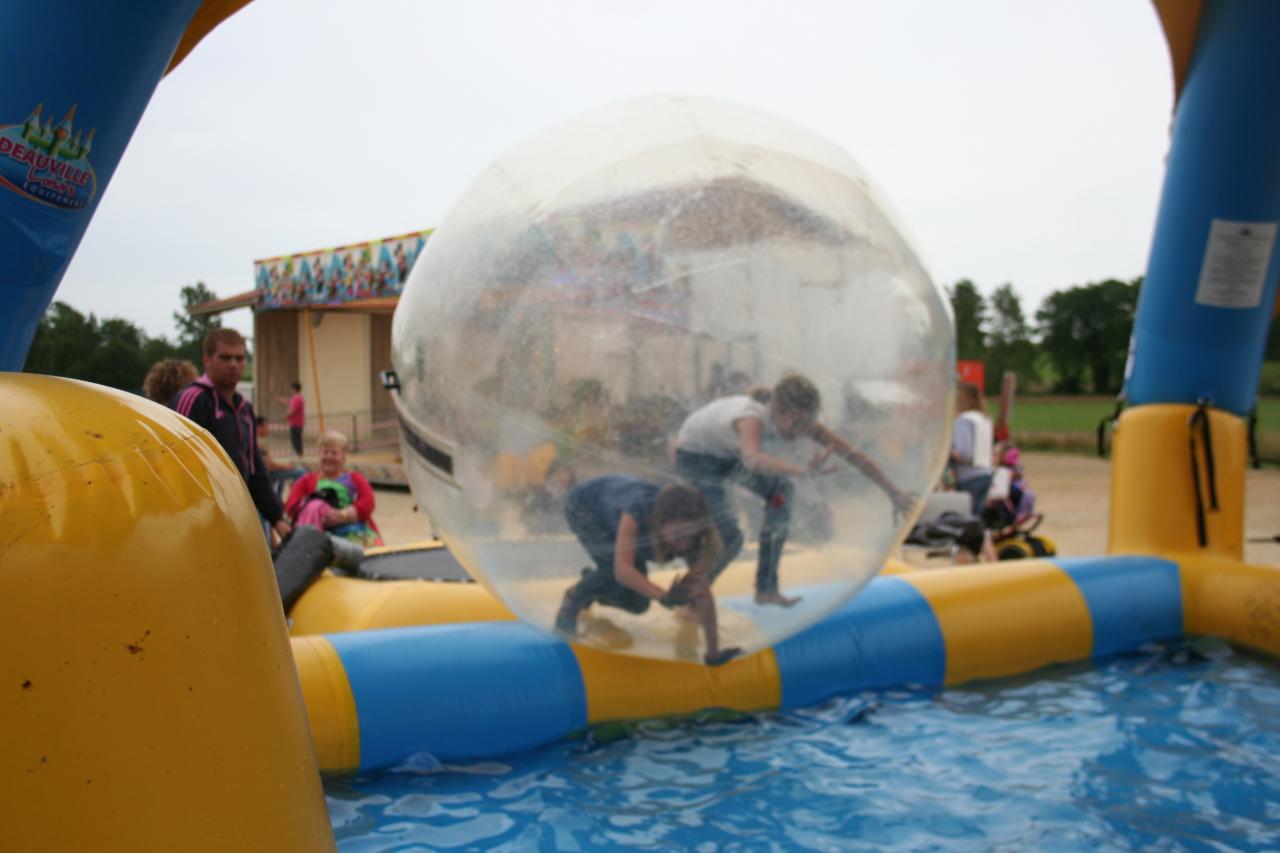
723, 442
1010, 500
624, 523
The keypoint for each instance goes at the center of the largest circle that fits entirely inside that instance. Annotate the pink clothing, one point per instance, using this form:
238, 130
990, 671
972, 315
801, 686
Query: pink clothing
296, 408
313, 512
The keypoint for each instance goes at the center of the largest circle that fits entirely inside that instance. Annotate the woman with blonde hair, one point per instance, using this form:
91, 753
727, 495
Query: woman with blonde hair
971, 443
334, 499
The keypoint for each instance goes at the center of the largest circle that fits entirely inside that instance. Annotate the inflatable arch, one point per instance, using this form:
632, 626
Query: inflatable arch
152, 719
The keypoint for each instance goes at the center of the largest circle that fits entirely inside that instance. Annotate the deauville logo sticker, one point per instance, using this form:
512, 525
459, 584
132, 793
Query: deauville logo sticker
48, 162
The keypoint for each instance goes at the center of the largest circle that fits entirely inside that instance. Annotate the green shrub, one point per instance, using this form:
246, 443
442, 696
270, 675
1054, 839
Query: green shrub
1269, 386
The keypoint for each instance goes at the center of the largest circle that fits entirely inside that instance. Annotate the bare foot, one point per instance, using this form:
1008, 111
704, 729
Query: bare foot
603, 633
688, 645
776, 598
722, 656
685, 614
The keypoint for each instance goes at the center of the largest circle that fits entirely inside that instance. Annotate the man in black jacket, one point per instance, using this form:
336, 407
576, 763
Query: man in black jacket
213, 403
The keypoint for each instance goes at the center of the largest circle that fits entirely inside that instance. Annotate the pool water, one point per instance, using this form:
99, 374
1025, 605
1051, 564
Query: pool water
1176, 748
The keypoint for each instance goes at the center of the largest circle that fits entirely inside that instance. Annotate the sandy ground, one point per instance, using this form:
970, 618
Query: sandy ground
398, 517
1072, 491
1074, 494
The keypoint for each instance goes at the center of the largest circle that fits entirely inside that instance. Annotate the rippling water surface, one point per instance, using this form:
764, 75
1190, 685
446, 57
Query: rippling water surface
1178, 749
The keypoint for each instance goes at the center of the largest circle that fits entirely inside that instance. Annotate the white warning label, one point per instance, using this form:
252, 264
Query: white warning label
1235, 264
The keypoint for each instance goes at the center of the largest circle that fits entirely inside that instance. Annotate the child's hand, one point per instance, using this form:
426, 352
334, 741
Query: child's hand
818, 464
337, 517
674, 598
903, 503
684, 591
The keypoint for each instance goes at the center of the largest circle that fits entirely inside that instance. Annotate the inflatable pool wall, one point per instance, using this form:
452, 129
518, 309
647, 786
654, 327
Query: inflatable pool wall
467, 690
148, 682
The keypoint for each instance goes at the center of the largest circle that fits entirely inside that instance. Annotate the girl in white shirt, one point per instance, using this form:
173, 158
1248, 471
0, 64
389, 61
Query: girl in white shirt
723, 442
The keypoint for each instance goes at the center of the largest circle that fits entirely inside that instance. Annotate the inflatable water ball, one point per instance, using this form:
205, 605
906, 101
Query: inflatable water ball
592, 292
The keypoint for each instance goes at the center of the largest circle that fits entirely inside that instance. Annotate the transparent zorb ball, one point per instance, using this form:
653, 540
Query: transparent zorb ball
600, 284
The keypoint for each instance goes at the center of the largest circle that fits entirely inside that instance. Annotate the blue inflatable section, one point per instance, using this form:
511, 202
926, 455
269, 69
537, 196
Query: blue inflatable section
77, 77
886, 637
1209, 292
1131, 600
497, 688
458, 691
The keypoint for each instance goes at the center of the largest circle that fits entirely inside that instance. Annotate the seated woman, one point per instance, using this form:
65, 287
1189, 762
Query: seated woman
542, 509
971, 446
334, 499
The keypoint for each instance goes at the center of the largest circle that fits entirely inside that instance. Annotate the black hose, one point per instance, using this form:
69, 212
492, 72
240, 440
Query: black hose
299, 560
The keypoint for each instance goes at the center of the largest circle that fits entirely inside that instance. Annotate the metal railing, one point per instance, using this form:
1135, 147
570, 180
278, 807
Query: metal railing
366, 431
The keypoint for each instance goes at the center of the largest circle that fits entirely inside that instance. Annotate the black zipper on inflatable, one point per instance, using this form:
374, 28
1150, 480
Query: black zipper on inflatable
1200, 417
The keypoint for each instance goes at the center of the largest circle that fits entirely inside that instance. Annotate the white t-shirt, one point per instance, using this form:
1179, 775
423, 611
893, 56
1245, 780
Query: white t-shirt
971, 436
1001, 480
710, 429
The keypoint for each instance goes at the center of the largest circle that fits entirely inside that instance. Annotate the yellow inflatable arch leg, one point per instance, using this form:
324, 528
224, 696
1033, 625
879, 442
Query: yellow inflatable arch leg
1164, 495
148, 699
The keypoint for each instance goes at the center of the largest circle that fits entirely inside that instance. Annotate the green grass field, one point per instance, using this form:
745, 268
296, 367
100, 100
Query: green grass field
1071, 423
1059, 414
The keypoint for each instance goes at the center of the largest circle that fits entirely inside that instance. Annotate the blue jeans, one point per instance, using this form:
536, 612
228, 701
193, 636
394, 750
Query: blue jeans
282, 480
978, 487
598, 584
712, 474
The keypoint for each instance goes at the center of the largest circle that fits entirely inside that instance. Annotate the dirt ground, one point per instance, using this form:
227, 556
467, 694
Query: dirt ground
1074, 494
1072, 491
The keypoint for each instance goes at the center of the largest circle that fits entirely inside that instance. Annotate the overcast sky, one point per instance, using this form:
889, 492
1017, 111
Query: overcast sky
1018, 141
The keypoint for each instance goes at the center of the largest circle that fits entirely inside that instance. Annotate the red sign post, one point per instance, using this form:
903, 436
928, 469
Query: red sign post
972, 371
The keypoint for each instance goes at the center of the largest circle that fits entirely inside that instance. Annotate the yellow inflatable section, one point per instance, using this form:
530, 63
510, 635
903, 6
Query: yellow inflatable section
148, 691
336, 604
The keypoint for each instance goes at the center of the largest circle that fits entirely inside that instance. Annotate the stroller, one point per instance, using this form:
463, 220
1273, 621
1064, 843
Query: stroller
945, 528
1009, 519
1010, 513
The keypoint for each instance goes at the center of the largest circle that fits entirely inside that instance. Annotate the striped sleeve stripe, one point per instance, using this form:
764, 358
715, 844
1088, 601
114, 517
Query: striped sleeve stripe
188, 400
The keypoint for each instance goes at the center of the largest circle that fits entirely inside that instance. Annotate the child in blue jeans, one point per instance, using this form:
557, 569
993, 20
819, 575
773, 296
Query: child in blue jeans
624, 523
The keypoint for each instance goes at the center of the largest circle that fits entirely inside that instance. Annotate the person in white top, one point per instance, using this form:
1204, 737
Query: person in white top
971, 443
722, 443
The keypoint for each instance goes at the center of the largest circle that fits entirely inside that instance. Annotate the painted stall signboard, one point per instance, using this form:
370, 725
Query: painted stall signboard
335, 276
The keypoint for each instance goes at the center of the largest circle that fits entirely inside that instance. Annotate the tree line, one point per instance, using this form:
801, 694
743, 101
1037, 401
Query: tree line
1078, 343
113, 351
